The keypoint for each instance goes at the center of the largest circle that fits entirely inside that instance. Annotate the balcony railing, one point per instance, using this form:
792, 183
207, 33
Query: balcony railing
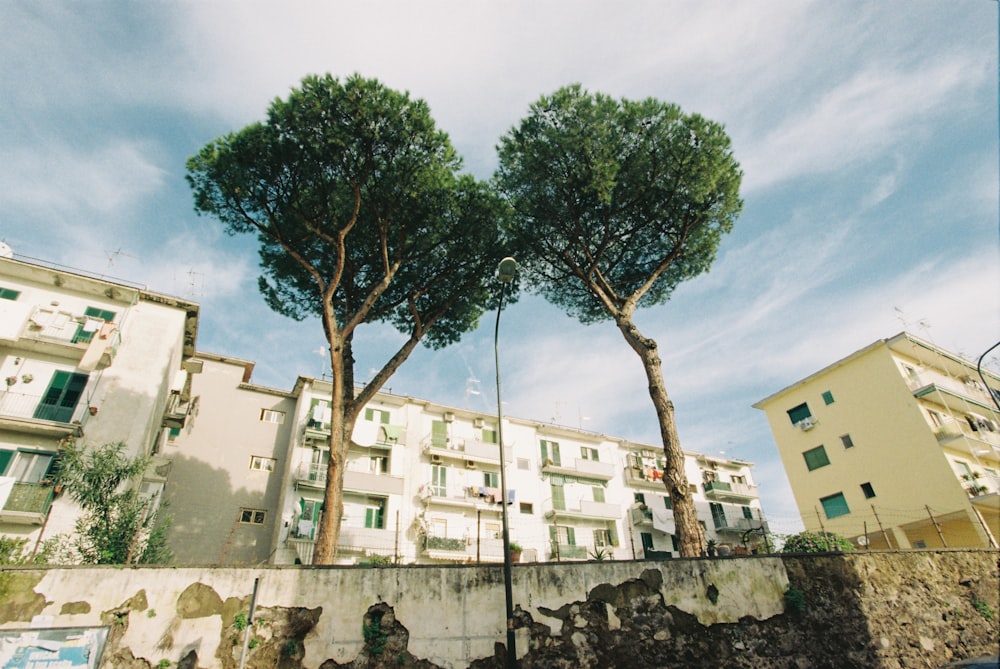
314, 476
568, 552
470, 450
32, 415
354, 540
583, 468
583, 509
27, 503
731, 491
739, 525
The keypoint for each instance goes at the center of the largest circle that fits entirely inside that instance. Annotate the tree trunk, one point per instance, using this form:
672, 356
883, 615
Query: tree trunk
333, 497
690, 534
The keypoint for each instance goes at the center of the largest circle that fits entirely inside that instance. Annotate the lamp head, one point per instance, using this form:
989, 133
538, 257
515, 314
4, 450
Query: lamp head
506, 270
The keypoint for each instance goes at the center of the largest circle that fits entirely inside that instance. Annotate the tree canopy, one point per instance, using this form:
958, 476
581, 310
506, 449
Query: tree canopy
362, 217
616, 203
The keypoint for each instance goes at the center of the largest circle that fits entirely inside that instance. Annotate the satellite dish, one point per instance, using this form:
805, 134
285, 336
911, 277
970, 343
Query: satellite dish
6, 251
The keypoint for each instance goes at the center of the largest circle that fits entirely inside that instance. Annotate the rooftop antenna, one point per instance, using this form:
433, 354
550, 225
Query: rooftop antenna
194, 283
112, 256
900, 316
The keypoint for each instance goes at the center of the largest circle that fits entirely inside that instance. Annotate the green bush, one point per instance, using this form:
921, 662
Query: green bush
816, 542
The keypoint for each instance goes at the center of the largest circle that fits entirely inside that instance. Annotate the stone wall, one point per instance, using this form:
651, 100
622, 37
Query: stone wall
883, 610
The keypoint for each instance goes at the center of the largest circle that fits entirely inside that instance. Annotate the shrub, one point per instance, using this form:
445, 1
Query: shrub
816, 542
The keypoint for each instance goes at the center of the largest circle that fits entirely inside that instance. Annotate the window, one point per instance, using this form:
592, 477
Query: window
550, 452
9, 294
439, 434
827, 397
252, 516
799, 413
846, 440
489, 436
937, 420
558, 497
320, 414
647, 541
493, 530
311, 510
318, 464
93, 319
603, 539
598, 494
835, 505
588, 453
747, 512
868, 490
523, 463
718, 515
61, 397
375, 513
173, 433
668, 503
272, 416
562, 535
639, 497
28, 466
378, 464
816, 458
491, 479
380, 416
527, 508
738, 478
262, 464
439, 480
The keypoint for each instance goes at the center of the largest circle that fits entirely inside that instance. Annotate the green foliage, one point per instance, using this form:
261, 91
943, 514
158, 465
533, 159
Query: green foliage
599, 553
240, 621
984, 609
290, 649
117, 526
617, 201
816, 542
795, 599
151, 613
163, 664
374, 637
376, 560
253, 643
445, 544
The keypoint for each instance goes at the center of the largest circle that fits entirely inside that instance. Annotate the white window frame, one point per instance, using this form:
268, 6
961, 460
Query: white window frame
273, 416
261, 463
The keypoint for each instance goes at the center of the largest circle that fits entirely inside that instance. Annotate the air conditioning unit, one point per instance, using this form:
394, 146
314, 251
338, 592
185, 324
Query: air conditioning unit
436, 459
807, 424
449, 417
469, 464
477, 422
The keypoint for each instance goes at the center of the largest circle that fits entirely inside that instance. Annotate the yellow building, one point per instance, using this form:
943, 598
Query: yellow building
897, 445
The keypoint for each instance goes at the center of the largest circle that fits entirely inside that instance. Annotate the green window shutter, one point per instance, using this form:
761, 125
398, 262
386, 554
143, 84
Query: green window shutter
555, 453
816, 458
835, 505
801, 412
598, 494
647, 541
61, 397
9, 294
747, 513
439, 434
570, 536
558, 497
668, 503
613, 534
640, 497
489, 436
5, 458
544, 450
369, 414
92, 312
827, 397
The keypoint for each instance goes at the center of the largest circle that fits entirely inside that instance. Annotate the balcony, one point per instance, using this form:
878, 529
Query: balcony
737, 525
984, 492
27, 413
314, 476
567, 552
353, 540
639, 477
730, 492
581, 468
27, 503
469, 450
585, 509
465, 497
640, 514
179, 407
90, 342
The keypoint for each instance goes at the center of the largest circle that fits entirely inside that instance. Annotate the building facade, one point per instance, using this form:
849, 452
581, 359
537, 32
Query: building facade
84, 360
895, 446
422, 483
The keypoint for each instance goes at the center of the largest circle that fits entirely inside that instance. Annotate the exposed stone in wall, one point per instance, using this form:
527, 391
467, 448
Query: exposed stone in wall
859, 610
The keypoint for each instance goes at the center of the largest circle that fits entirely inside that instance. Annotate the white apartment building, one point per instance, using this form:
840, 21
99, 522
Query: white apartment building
88, 360
423, 486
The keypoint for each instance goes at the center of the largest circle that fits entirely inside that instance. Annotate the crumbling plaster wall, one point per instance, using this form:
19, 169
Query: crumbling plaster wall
878, 609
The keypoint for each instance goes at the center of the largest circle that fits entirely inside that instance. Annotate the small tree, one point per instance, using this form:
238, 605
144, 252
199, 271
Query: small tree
616, 203
816, 542
117, 526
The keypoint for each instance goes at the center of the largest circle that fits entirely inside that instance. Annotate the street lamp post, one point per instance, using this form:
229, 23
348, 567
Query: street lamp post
505, 273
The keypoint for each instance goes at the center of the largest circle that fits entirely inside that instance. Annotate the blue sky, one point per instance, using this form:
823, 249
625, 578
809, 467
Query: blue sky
867, 132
